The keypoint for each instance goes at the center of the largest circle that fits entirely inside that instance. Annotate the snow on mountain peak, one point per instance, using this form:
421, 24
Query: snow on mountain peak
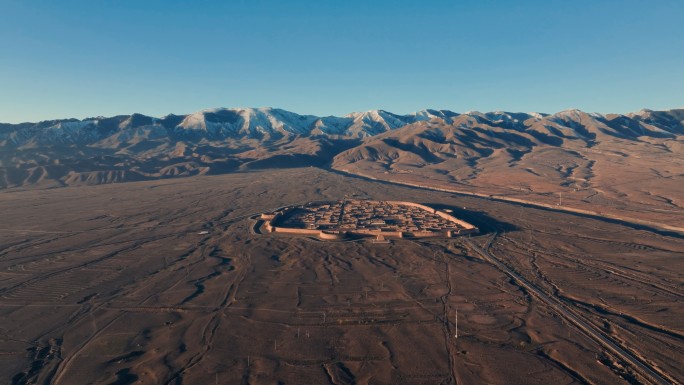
274, 123
429, 114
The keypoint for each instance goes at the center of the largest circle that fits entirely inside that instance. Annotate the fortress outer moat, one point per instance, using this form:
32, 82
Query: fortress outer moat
369, 218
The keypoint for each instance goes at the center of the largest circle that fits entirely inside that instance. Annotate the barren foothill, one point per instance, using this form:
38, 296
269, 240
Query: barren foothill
119, 284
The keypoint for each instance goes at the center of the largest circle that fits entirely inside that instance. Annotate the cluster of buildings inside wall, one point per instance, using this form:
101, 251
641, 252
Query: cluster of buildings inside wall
336, 220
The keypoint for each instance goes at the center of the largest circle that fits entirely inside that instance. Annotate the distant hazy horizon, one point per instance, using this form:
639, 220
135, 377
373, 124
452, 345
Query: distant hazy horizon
86, 58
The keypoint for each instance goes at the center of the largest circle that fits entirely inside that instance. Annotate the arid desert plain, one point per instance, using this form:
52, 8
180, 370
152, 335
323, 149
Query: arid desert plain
167, 282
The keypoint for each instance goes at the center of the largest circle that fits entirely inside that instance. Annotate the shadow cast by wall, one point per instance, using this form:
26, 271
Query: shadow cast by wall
482, 221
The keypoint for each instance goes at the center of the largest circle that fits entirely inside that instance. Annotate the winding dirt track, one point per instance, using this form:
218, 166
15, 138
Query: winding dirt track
574, 318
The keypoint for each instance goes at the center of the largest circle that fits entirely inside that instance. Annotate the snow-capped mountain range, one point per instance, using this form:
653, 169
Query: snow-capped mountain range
213, 124
133, 147
273, 123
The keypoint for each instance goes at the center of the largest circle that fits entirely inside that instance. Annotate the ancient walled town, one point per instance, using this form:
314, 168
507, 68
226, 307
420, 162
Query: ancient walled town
381, 219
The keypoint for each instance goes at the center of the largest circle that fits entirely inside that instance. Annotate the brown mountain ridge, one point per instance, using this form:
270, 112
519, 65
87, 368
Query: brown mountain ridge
622, 163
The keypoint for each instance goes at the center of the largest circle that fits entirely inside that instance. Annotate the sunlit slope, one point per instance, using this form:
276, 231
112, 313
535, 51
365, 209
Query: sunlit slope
589, 161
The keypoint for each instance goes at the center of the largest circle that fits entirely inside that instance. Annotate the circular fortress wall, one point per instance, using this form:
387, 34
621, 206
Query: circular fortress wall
390, 219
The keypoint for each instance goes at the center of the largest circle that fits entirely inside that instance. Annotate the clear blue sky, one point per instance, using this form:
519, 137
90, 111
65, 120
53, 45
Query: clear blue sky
329, 57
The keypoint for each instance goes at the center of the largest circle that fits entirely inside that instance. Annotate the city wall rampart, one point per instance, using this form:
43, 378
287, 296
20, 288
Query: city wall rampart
394, 234
429, 209
331, 236
296, 231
